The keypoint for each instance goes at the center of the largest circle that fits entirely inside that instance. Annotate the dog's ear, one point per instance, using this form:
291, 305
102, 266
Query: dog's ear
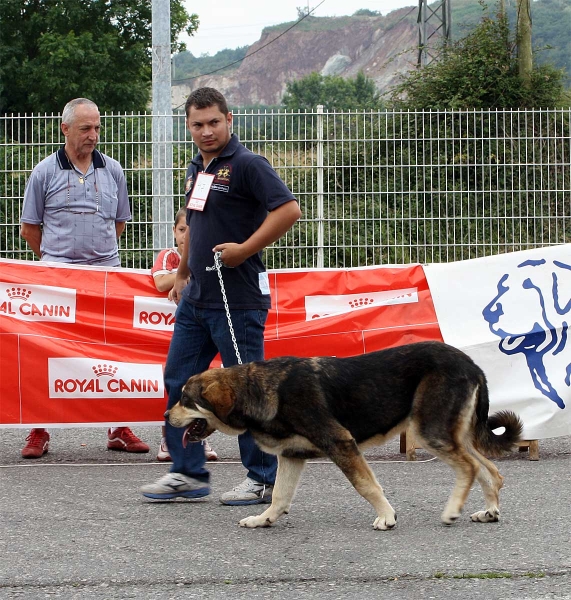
221, 397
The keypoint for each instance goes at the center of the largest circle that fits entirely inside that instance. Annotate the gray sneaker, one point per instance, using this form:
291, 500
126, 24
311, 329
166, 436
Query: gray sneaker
175, 485
248, 492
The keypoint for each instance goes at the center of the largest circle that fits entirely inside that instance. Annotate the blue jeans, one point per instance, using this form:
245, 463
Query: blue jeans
199, 334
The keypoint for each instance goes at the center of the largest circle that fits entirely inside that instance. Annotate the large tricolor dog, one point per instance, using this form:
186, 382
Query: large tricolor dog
303, 408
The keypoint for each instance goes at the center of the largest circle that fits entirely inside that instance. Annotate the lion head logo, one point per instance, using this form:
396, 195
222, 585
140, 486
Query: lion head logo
531, 313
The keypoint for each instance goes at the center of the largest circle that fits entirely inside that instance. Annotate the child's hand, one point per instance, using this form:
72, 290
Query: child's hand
175, 293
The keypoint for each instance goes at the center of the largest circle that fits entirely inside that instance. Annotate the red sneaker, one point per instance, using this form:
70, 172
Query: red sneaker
124, 439
38, 444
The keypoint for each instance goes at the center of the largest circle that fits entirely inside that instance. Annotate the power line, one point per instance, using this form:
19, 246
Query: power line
255, 51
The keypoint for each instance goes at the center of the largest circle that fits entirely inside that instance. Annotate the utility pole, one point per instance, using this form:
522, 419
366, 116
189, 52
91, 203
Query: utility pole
434, 20
524, 49
163, 213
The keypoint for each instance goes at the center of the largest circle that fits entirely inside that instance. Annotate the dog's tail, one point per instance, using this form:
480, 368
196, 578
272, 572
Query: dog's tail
486, 440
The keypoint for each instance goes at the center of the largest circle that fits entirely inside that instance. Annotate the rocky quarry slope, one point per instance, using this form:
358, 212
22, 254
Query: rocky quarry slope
381, 47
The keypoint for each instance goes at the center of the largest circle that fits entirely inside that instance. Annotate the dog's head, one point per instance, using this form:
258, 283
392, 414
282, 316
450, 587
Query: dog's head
207, 401
530, 313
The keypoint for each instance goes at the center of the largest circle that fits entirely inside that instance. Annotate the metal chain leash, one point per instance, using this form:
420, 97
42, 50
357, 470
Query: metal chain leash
218, 267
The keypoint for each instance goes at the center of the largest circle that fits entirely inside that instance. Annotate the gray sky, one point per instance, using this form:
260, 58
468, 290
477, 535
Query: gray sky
234, 23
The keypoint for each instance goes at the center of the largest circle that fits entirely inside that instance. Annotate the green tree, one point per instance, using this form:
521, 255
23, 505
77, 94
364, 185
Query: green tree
334, 92
550, 30
54, 50
551, 33
187, 66
480, 71
365, 12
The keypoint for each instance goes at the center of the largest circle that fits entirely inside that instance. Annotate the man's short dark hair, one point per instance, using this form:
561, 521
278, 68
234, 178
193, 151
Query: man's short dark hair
205, 97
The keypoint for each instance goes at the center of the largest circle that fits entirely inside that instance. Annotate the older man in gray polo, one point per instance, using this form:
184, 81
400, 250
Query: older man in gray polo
75, 207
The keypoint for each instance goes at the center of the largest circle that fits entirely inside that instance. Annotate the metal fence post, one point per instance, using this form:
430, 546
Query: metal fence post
163, 212
320, 190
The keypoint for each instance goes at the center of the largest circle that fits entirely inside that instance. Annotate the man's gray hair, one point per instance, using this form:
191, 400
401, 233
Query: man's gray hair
68, 114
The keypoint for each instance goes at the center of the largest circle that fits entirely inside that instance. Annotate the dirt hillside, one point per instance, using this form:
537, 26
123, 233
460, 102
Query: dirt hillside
381, 47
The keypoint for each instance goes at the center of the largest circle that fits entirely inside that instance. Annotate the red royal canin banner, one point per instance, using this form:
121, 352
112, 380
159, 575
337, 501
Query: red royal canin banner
86, 346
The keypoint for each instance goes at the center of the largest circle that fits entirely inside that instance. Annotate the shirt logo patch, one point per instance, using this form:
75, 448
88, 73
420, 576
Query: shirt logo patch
223, 175
188, 184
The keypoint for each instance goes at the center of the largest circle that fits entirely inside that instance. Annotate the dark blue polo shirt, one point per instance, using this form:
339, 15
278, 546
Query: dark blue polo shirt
245, 188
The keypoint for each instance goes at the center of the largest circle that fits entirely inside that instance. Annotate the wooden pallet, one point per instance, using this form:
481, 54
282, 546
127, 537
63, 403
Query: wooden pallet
409, 447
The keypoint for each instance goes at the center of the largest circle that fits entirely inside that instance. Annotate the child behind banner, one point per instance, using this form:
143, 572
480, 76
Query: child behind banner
164, 272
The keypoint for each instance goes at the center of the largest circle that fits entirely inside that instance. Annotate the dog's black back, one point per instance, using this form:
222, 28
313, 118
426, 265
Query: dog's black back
372, 394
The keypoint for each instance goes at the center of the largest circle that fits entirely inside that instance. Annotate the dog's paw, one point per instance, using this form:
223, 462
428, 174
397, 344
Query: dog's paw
257, 521
385, 522
448, 518
486, 516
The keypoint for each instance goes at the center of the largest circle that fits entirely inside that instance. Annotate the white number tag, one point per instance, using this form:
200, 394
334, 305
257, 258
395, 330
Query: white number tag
200, 191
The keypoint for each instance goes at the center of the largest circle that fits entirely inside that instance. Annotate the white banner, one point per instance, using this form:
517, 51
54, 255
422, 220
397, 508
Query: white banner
153, 313
37, 303
318, 307
90, 378
512, 314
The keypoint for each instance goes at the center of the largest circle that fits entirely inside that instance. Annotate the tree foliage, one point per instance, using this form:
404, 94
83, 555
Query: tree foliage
365, 12
480, 71
188, 66
551, 33
55, 50
332, 91
550, 29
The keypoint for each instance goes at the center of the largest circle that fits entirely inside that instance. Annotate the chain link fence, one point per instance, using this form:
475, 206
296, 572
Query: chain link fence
374, 187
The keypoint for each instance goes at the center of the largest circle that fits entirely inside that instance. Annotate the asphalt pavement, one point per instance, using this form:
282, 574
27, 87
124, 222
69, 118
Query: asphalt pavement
74, 526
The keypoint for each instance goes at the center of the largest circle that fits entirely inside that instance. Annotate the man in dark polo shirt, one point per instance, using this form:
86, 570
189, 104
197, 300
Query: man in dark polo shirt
236, 205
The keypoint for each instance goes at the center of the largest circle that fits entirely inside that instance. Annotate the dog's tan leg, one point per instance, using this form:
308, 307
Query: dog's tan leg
358, 472
466, 468
287, 479
491, 482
